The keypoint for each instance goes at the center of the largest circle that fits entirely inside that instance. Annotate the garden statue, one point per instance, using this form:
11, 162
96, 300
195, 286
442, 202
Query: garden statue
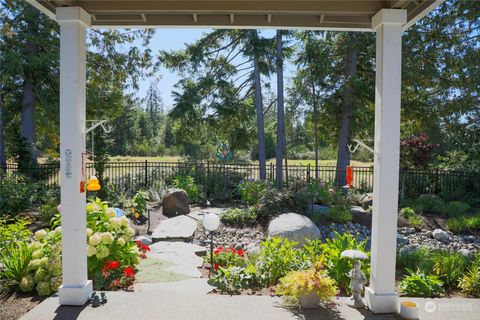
357, 277
357, 282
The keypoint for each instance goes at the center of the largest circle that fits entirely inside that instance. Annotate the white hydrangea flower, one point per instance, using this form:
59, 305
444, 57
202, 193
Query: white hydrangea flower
93, 207
51, 234
91, 251
34, 264
43, 262
107, 238
95, 239
57, 249
40, 235
115, 223
110, 212
58, 231
35, 245
55, 283
125, 238
130, 232
124, 222
89, 232
102, 252
37, 254
121, 242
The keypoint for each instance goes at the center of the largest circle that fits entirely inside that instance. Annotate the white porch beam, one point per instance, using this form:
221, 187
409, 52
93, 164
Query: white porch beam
381, 296
76, 288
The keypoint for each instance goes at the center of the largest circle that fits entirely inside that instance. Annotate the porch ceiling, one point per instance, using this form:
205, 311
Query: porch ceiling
321, 14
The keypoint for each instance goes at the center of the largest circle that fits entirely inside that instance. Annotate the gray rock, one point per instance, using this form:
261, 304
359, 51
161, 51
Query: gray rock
440, 235
181, 228
401, 240
144, 240
464, 252
175, 203
429, 234
293, 226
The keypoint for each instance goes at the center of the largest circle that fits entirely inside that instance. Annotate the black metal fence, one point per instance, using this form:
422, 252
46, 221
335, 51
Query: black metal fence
131, 176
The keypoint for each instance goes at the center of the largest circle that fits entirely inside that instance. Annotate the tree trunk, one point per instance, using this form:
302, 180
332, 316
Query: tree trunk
285, 154
280, 112
3, 158
259, 107
28, 99
315, 128
343, 158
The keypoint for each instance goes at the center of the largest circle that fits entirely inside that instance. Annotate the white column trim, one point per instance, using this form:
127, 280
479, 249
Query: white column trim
381, 296
76, 288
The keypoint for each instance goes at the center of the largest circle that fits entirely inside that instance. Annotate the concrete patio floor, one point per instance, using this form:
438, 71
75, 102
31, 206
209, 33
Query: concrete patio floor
187, 300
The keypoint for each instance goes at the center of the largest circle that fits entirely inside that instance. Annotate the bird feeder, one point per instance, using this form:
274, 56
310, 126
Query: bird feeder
93, 184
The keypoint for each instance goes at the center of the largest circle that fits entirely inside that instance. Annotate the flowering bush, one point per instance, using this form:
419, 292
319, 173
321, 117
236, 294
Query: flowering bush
250, 190
44, 271
298, 283
228, 257
112, 255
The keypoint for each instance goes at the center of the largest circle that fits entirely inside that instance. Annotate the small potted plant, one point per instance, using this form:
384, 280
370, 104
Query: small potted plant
307, 288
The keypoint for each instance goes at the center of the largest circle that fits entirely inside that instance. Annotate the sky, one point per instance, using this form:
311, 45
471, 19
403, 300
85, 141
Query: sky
175, 39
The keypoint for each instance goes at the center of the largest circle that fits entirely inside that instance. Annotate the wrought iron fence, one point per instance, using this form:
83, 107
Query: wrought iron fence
131, 176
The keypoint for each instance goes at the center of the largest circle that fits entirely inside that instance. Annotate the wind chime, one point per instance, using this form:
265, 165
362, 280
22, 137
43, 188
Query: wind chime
93, 184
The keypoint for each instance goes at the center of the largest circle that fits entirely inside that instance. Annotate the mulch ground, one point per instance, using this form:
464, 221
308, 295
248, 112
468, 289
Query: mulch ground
13, 305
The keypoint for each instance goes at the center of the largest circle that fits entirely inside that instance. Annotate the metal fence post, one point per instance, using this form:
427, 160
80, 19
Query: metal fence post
146, 174
308, 172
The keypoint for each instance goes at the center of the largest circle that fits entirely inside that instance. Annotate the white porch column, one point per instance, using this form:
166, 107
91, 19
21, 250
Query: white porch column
76, 288
381, 296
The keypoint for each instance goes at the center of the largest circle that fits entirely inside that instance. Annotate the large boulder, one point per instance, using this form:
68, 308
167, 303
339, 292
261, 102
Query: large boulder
440, 235
294, 227
175, 203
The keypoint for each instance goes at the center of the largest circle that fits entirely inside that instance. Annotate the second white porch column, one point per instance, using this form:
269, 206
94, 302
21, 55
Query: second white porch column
76, 288
381, 296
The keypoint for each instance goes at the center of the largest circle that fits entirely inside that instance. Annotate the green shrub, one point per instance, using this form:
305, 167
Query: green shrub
47, 212
277, 257
407, 212
15, 260
339, 214
470, 281
448, 266
15, 191
227, 257
417, 259
337, 266
416, 221
464, 223
430, 202
419, 284
251, 190
139, 204
236, 216
271, 203
233, 280
457, 208
13, 231
188, 184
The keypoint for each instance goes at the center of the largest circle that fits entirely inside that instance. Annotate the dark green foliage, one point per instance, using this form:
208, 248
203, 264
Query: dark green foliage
188, 184
419, 284
339, 214
430, 202
457, 208
16, 192
465, 223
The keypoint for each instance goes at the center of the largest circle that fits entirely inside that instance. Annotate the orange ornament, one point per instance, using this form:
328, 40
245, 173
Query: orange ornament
93, 184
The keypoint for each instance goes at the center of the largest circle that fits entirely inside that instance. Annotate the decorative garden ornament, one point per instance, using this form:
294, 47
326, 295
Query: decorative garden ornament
357, 277
357, 282
93, 184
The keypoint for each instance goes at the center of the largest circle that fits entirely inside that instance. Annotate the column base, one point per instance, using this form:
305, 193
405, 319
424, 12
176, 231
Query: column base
381, 303
75, 296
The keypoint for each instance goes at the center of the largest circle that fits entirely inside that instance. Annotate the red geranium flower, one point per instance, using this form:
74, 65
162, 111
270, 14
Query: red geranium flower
115, 283
104, 273
111, 265
139, 243
218, 250
129, 272
240, 252
215, 266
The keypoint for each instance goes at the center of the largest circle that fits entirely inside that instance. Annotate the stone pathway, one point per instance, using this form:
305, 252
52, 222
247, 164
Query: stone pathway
179, 258
181, 228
